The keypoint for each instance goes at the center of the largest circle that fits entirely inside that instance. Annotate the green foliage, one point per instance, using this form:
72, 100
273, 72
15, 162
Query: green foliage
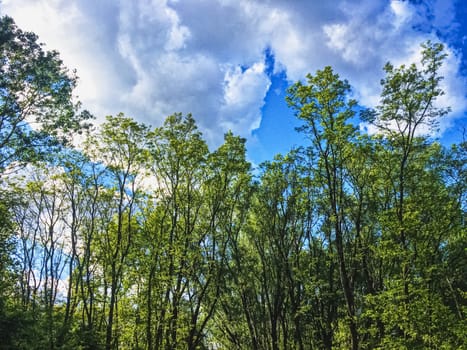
409, 95
36, 107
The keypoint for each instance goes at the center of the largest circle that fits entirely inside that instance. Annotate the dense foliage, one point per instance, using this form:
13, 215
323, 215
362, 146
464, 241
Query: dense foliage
146, 239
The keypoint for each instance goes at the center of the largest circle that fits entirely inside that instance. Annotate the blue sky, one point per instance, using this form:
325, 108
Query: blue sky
229, 62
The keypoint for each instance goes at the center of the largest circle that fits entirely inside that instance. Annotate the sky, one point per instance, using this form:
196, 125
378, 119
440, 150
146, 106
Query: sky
229, 62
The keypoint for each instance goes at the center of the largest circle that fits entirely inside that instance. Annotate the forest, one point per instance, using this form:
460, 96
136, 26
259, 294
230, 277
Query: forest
144, 238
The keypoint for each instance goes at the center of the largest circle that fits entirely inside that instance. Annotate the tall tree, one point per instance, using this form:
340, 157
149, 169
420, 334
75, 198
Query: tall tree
324, 106
415, 228
120, 146
180, 156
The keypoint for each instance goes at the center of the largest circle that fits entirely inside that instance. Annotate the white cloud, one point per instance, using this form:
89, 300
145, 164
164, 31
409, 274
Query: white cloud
151, 58
244, 92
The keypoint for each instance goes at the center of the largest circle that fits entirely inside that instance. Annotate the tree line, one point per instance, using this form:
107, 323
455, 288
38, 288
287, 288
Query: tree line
143, 238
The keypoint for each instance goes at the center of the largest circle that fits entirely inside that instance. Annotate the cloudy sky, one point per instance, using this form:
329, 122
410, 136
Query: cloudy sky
229, 61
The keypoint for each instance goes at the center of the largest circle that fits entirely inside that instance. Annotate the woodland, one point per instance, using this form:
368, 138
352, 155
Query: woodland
144, 238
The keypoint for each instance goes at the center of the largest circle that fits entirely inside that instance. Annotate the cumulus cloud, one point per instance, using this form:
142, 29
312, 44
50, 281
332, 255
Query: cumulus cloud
244, 92
151, 58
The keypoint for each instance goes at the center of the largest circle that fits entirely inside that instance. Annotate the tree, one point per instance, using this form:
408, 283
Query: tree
325, 108
282, 218
36, 105
178, 268
41, 250
121, 147
80, 189
37, 116
229, 189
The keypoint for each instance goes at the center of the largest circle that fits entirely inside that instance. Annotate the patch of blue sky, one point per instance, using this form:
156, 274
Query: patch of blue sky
276, 133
